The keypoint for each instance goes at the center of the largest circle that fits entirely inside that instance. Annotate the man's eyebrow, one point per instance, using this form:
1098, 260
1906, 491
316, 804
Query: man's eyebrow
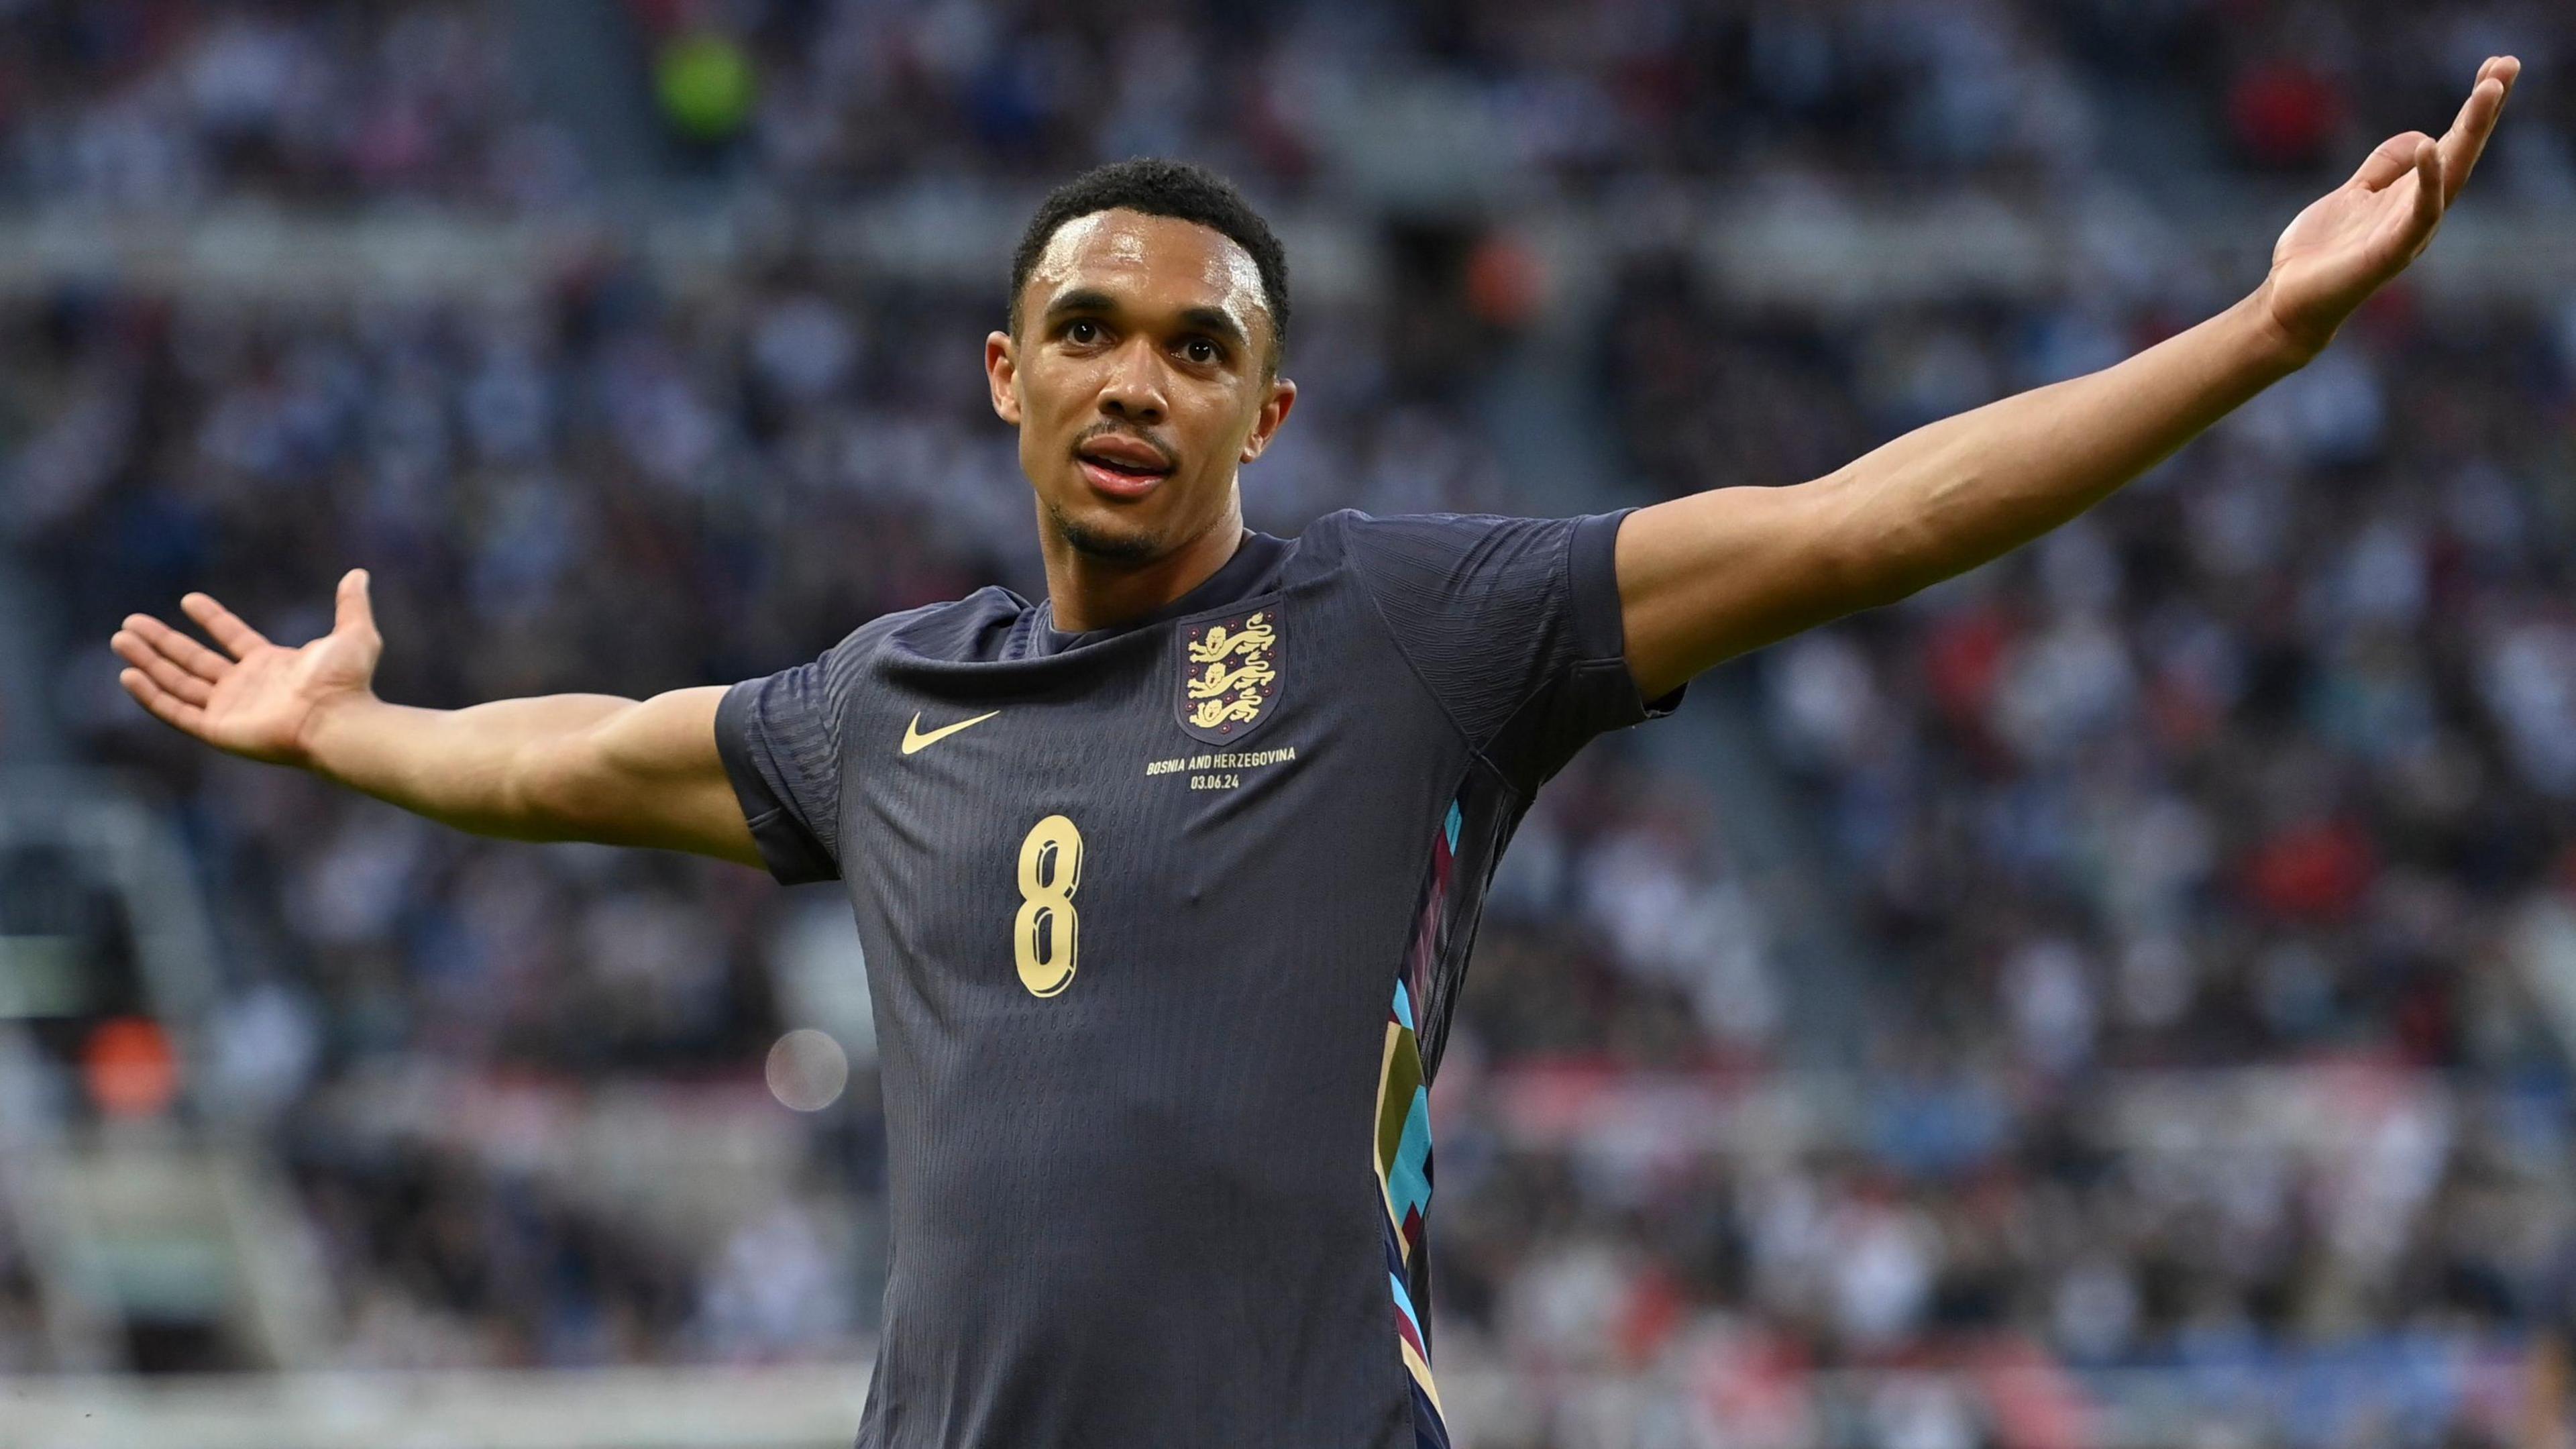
1092, 301
1216, 322
1081, 299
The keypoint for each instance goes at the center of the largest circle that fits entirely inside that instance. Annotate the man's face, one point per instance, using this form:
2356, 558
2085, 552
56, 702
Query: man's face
1138, 377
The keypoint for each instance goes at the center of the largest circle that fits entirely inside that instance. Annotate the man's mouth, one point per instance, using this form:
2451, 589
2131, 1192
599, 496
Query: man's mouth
1122, 467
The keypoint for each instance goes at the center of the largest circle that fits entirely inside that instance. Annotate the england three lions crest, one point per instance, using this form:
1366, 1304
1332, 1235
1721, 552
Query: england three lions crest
1229, 675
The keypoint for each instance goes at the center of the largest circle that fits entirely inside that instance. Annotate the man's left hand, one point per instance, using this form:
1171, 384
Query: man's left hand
2352, 240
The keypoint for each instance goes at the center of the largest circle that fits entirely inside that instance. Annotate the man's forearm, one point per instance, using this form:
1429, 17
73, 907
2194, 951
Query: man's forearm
1956, 493
1712, 575
560, 767
479, 769
1717, 573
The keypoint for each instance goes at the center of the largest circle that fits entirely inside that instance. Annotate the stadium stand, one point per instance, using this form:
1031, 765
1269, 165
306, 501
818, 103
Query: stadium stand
2211, 969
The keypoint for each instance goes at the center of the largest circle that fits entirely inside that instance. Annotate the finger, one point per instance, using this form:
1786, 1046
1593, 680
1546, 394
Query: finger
2466, 141
178, 714
2394, 158
160, 669
355, 611
178, 648
237, 637
2429, 194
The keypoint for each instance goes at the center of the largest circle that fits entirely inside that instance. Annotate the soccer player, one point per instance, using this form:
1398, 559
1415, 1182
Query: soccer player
1166, 881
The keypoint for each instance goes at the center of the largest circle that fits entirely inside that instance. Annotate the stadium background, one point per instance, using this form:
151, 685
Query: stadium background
2121, 997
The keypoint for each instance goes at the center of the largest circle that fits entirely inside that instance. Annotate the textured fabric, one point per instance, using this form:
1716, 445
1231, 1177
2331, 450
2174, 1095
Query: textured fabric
1404, 1179
1133, 903
1513, 624
781, 742
1255, 558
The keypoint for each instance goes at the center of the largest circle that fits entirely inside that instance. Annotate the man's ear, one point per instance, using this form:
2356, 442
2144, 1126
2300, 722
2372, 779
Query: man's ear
1001, 374
1274, 411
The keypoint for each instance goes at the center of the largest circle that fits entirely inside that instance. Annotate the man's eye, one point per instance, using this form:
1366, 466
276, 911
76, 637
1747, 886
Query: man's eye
1083, 333
1200, 349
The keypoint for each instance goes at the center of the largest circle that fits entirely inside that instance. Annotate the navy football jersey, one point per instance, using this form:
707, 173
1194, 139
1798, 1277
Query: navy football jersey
1163, 924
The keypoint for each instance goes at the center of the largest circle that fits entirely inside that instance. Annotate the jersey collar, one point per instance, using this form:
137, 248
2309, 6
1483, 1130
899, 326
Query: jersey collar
1245, 574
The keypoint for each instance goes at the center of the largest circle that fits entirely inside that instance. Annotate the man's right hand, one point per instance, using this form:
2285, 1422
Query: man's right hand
554, 767
252, 698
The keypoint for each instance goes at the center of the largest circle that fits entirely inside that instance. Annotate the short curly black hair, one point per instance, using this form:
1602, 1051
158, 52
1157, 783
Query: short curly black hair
1158, 187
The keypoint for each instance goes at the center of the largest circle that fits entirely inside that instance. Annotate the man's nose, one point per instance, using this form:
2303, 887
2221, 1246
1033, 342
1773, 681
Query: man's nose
1134, 390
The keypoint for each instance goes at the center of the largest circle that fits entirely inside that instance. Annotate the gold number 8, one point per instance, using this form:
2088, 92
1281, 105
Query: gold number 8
1047, 934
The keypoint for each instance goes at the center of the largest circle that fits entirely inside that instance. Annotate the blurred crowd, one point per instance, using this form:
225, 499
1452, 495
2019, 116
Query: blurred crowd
159, 104
166, 105
835, 96
2245, 763
2254, 776
2188, 850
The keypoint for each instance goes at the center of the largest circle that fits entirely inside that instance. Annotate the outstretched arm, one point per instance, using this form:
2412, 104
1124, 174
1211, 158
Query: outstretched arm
561, 767
1715, 574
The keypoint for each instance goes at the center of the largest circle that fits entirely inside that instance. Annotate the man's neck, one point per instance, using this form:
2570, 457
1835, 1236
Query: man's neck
1088, 592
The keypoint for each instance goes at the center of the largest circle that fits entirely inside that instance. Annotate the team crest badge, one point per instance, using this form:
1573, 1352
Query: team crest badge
1229, 675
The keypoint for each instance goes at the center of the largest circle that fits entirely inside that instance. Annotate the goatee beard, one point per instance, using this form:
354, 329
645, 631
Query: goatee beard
1127, 550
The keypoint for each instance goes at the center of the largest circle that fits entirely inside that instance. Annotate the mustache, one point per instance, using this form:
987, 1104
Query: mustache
1105, 429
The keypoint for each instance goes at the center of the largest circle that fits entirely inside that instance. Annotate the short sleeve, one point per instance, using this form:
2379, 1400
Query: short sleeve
780, 739
1514, 626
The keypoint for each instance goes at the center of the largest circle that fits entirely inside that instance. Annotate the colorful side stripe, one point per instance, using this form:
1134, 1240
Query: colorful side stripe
1403, 1155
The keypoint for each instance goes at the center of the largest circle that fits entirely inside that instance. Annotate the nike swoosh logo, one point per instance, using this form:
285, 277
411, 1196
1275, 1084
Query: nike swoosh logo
914, 739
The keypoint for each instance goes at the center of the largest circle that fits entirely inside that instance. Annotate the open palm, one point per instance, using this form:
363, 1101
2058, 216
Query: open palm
2353, 239
253, 698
